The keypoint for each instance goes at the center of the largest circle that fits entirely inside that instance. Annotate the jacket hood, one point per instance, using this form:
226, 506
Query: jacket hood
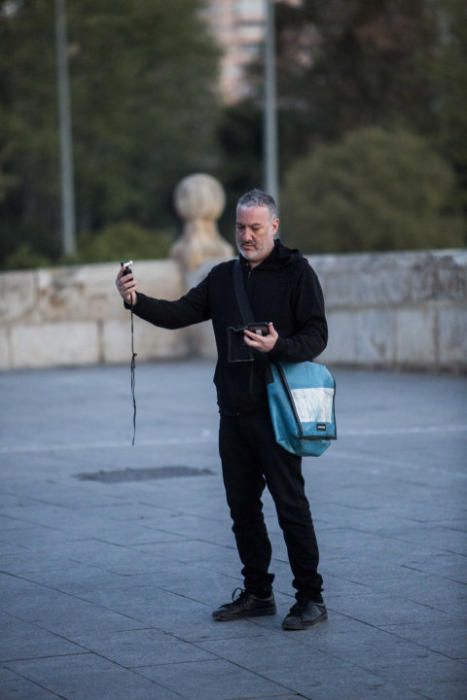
280, 256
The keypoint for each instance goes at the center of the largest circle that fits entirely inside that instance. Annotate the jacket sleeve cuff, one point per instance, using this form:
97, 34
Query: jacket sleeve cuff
129, 306
279, 351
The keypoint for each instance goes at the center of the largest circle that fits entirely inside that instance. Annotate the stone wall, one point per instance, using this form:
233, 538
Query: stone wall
404, 310
396, 309
386, 310
73, 316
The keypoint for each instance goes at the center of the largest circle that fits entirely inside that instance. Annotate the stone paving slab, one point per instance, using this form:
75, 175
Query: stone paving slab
14, 687
214, 680
106, 589
142, 647
88, 675
448, 638
26, 640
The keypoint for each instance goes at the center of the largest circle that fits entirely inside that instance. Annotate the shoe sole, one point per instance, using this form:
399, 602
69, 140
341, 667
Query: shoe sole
259, 613
290, 627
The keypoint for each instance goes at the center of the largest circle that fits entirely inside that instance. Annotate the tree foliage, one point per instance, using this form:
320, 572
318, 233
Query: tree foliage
122, 241
144, 110
374, 191
345, 65
239, 169
449, 76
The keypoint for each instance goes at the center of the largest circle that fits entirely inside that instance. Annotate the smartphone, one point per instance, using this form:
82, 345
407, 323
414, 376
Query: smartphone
126, 266
259, 327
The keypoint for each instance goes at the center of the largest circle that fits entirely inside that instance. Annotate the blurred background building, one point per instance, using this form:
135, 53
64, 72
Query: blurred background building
238, 26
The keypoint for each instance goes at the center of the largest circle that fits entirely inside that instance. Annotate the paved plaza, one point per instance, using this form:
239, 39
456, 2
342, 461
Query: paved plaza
112, 557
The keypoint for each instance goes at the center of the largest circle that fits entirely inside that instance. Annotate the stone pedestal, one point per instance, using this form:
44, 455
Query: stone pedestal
199, 200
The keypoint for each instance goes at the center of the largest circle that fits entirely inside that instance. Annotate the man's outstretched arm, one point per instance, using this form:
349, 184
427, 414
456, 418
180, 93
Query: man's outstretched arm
193, 307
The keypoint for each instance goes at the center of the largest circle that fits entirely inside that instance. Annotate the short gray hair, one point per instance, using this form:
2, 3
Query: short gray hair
258, 198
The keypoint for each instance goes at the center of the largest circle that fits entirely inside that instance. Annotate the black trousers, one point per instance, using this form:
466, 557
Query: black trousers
251, 459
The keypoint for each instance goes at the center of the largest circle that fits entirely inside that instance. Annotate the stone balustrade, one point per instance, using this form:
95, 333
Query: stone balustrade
398, 310
404, 310
74, 316
384, 310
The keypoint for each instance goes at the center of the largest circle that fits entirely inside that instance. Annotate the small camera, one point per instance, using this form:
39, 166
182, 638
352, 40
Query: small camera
126, 267
260, 328
238, 350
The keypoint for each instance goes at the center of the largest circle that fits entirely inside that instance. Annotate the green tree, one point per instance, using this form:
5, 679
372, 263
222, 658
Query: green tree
344, 65
122, 241
450, 86
374, 191
347, 64
144, 110
25, 257
239, 169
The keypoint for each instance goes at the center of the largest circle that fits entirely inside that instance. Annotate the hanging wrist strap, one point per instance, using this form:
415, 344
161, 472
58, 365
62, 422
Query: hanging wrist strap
132, 375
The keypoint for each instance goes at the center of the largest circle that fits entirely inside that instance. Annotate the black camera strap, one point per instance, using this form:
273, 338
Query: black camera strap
240, 293
246, 313
132, 375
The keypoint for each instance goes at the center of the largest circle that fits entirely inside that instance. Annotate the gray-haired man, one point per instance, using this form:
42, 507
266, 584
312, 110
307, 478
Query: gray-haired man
282, 289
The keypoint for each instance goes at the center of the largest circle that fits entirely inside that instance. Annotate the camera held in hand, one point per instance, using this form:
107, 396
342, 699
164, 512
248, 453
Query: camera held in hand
239, 351
126, 266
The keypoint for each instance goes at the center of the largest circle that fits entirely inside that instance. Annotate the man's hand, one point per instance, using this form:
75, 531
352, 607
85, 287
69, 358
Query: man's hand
263, 343
126, 286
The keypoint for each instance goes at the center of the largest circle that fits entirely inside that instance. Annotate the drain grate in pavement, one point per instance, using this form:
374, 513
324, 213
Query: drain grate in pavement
118, 475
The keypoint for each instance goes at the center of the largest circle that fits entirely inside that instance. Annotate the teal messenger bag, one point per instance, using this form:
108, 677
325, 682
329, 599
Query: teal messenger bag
300, 395
301, 403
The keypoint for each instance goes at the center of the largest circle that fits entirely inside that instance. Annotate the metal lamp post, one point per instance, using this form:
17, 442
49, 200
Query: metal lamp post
66, 150
270, 157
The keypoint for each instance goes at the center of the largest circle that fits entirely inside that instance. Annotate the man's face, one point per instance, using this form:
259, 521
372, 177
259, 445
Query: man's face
254, 233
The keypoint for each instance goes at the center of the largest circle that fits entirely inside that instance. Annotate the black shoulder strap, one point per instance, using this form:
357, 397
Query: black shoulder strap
240, 293
247, 316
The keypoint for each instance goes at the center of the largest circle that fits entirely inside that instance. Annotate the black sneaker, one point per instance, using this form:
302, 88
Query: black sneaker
305, 613
245, 605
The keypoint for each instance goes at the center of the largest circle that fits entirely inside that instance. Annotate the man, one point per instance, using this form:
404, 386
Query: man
283, 290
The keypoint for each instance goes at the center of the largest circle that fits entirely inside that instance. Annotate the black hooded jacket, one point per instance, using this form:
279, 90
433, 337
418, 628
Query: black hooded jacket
283, 289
